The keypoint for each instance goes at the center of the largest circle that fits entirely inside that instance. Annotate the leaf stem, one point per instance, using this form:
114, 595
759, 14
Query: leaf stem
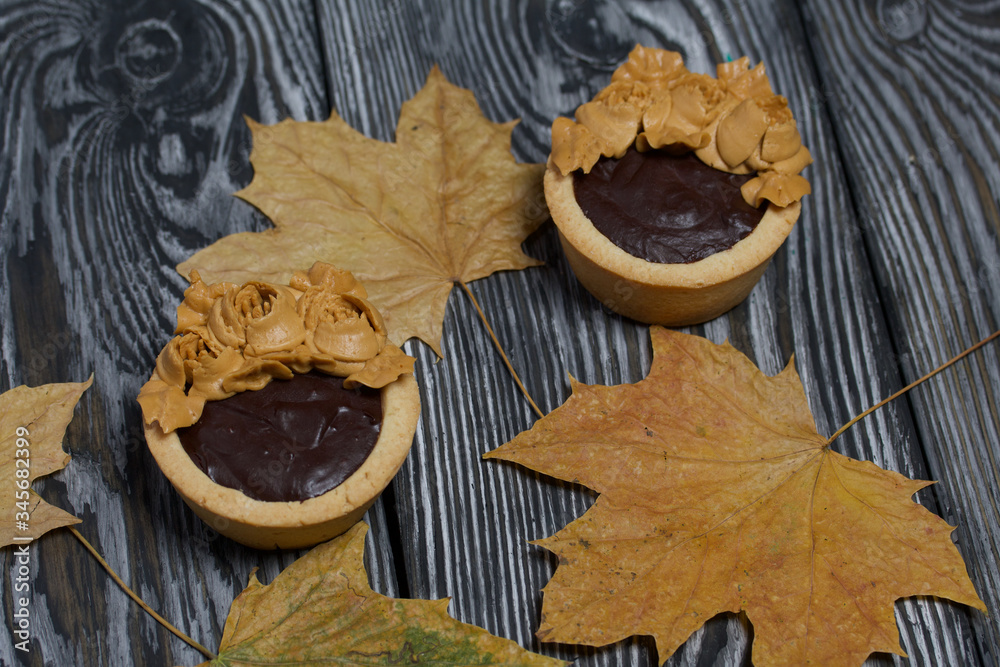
913, 384
162, 621
503, 355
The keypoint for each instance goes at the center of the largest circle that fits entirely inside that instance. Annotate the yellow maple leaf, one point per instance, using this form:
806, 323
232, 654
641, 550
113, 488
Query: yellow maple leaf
446, 203
33, 421
718, 495
321, 610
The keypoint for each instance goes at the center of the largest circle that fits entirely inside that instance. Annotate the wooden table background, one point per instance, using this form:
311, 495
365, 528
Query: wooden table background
123, 139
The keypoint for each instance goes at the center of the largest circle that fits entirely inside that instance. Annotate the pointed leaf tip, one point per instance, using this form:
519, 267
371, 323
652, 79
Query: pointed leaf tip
377, 210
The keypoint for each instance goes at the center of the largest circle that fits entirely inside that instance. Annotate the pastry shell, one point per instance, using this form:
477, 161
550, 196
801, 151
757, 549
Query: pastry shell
667, 294
293, 525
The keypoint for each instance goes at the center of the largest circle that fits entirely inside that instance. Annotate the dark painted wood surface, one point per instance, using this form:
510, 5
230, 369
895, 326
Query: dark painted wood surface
123, 139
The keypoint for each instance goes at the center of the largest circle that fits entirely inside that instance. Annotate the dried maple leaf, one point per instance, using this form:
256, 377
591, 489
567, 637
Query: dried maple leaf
321, 610
445, 204
33, 421
718, 495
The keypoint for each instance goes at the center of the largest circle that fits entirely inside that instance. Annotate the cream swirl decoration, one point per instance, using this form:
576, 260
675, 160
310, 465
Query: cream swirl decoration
233, 338
734, 123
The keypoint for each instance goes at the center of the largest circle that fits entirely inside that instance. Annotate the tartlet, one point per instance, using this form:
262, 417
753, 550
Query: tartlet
733, 123
295, 524
667, 294
233, 339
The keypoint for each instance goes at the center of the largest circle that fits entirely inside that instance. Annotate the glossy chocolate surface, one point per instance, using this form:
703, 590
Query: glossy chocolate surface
292, 440
665, 208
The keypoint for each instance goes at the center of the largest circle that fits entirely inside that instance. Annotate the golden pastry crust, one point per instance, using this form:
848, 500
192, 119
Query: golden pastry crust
239, 338
734, 123
294, 525
668, 294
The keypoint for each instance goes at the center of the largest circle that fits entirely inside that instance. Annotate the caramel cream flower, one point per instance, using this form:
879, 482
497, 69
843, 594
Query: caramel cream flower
197, 303
345, 333
626, 91
183, 353
258, 316
235, 338
740, 132
680, 119
656, 67
743, 82
733, 122
614, 125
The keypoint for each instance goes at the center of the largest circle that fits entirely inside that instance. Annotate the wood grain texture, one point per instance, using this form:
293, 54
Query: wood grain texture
914, 91
464, 523
123, 138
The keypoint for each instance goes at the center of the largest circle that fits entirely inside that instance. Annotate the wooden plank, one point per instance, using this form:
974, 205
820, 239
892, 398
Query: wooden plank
108, 179
465, 523
913, 90
122, 141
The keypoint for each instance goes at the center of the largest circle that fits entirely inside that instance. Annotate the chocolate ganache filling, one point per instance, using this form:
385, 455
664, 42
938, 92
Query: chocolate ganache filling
292, 440
669, 209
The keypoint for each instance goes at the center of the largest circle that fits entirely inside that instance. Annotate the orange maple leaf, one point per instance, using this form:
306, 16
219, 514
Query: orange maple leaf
444, 204
718, 495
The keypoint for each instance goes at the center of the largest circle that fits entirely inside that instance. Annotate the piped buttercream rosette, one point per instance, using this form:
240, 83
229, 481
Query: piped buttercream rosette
233, 338
733, 122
